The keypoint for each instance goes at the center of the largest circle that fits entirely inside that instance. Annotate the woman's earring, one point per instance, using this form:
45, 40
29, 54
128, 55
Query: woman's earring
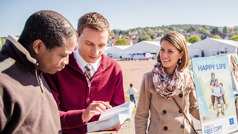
180, 61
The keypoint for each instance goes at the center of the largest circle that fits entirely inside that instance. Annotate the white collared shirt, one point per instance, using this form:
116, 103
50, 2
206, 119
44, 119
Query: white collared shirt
82, 63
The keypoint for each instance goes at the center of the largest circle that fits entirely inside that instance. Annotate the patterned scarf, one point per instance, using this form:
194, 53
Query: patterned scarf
165, 86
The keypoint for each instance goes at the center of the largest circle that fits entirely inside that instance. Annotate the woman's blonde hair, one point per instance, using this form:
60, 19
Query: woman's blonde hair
177, 40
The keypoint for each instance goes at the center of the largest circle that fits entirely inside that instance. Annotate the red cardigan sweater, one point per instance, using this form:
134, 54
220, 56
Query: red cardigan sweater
73, 96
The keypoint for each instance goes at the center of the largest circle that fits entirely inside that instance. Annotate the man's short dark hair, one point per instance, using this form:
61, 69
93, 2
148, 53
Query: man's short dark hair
131, 85
48, 26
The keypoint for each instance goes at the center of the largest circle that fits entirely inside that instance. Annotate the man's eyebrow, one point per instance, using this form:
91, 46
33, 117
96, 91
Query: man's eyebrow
89, 41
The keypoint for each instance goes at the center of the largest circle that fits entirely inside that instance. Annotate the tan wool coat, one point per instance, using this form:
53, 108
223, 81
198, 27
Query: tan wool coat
165, 117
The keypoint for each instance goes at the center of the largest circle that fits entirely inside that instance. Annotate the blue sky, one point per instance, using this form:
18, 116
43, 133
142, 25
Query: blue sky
123, 14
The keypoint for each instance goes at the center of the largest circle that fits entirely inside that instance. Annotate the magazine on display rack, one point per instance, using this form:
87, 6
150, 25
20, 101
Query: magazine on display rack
215, 81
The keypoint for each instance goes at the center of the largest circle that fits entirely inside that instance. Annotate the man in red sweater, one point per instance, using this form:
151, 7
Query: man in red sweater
92, 82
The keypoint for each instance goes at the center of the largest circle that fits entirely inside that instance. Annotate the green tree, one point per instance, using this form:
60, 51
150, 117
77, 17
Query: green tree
217, 37
166, 30
234, 37
147, 38
112, 33
121, 41
191, 29
225, 30
150, 32
121, 32
193, 39
236, 28
214, 30
172, 28
140, 32
205, 27
201, 30
117, 31
2, 41
144, 32
204, 33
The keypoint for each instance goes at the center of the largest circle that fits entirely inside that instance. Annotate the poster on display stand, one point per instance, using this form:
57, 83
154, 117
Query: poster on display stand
215, 84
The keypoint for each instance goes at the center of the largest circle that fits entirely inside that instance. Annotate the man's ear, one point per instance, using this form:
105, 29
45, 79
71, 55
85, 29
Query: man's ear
38, 45
77, 35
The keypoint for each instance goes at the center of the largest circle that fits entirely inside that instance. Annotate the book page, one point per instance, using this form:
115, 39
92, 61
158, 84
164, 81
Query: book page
112, 117
121, 109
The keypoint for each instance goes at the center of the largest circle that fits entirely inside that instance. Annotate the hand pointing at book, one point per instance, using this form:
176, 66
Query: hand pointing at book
95, 108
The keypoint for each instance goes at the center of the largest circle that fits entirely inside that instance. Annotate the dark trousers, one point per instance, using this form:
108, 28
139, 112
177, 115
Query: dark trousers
132, 98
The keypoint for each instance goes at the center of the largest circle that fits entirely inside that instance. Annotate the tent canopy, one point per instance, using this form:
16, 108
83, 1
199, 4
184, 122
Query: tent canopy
211, 47
213, 43
115, 51
143, 47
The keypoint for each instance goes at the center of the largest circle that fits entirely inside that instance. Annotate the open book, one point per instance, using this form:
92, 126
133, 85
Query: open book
112, 117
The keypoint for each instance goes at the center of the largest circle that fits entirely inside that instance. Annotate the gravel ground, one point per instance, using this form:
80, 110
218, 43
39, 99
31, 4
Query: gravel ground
129, 128
132, 73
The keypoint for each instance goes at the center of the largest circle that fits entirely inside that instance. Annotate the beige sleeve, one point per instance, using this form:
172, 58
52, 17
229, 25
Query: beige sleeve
143, 106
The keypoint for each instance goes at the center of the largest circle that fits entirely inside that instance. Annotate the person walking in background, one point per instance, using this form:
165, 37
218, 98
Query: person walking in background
26, 103
132, 91
92, 82
169, 107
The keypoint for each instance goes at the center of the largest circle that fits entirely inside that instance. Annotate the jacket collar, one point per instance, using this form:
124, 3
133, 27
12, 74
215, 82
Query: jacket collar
104, 64
23, 50
16, 51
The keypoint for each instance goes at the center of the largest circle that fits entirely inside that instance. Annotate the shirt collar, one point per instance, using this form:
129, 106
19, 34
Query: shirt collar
82, 63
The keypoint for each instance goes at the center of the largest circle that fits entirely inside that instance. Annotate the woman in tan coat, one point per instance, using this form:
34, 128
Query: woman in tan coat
170, 82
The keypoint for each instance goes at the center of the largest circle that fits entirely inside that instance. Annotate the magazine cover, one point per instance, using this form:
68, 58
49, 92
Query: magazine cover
214, 88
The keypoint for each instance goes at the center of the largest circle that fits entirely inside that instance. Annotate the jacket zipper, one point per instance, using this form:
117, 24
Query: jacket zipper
39, 80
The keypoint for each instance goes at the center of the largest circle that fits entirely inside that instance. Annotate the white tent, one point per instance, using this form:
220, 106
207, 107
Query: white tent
188, 44
212, 47
115, 51
143, 47
142, 50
